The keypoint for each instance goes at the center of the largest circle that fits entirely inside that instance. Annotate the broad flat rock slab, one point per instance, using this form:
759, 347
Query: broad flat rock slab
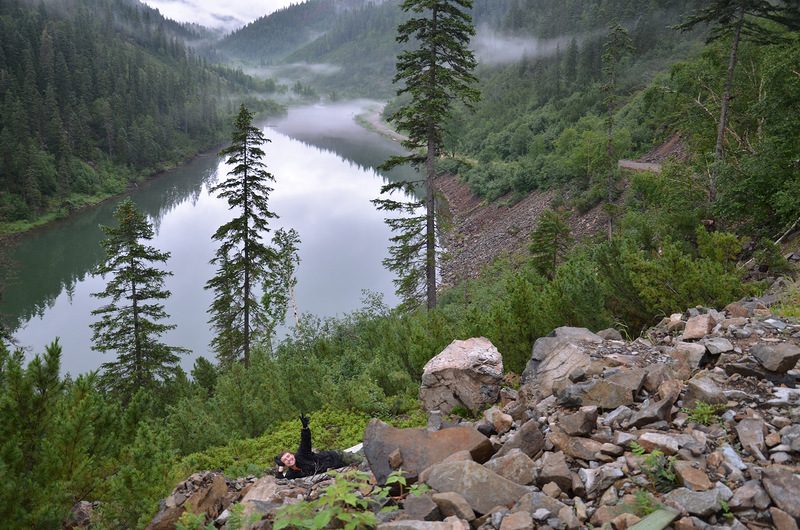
419, 448
482, 488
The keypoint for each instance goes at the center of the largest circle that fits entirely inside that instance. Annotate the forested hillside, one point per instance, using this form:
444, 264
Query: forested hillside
355, 39
545, 122
95, 94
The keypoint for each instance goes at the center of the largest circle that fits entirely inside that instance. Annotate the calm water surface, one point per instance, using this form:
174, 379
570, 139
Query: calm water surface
324, 168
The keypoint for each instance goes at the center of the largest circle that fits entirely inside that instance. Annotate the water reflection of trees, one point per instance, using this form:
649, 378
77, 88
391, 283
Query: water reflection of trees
55, 258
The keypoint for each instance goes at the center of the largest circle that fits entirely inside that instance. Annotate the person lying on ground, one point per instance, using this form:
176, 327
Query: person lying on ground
305, 463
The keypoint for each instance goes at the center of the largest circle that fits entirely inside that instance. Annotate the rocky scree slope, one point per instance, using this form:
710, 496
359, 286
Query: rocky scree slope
699, 422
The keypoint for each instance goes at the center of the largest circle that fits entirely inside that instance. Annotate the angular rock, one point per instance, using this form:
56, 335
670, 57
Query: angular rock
409, 524
782, 520
536, 500
688, 358
568, 517
657, 374
751, 435
467, 373
757, 371
699, 503
517, 521
608, 395
482, 488
750, 495
419, 448
555, 469
698, 327
582, 448
582, 423
500, 420
691, 477
421, 508
779, 358
514, 465
555, 357
451, 503
609, 334
702, 389
783, 487
80, 516
667, 443
599, 479
652, 412
717, 345
527, 439
206, 499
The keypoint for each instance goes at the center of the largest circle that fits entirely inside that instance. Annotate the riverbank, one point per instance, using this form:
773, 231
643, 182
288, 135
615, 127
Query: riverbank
76, 204
372, 122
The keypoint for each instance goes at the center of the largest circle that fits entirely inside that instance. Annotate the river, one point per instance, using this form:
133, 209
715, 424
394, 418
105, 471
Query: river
324, 167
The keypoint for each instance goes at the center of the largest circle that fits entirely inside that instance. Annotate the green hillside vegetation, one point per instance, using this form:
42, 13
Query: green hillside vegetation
268, 39
97, 94
542, 125
356, 37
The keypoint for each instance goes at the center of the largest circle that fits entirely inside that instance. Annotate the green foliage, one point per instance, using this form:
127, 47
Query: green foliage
242, 259
436, 74
705, 413
129, 327
657, 467
769, 257
643, 504
101, 94
641, 284
236, 520
342, 504
397, 479
550, 241
463, 412
142, 479
788, 304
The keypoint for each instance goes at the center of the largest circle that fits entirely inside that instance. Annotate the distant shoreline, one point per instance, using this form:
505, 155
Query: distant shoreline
372, 120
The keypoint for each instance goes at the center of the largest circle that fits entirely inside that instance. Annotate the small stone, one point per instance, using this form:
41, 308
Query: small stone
551, 489
395, 459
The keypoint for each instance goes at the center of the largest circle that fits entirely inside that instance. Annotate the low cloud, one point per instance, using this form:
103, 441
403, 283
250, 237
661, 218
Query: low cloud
492, 48
228, 15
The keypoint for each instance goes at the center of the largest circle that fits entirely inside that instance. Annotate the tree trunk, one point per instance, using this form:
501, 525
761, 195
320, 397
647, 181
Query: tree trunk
719, 151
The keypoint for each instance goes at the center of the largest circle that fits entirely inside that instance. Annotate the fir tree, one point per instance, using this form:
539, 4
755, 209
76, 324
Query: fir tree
616, 47
738, 20
129, 326
436, 75
549, 243
242, 260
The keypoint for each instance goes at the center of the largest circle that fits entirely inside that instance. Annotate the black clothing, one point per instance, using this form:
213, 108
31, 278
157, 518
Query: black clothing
308, 463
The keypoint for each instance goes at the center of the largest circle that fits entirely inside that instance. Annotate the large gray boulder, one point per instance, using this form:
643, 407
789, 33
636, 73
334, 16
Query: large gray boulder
482, 488
416, 449
467, 372
555, 357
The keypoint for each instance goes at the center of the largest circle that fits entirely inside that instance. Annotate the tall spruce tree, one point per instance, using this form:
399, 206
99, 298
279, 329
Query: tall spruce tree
129, 326
738, 20
242, 259
615, 48
437, 74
